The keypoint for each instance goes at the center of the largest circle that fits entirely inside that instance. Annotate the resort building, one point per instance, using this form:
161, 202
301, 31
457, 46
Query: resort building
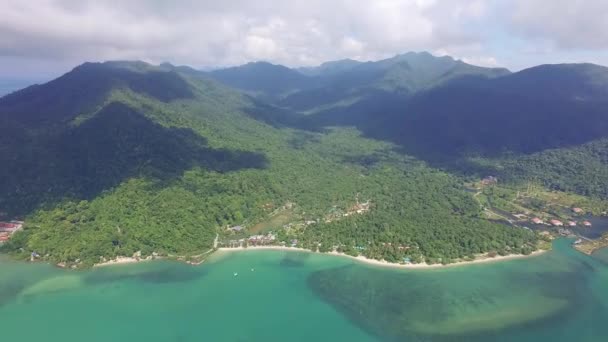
489, 180
536, 220
8, 228
236, 228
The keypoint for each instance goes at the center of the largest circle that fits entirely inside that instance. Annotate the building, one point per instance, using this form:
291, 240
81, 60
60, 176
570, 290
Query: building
536, 220
236, 228
10, 227
489, 180
572, 223
557, 223
577, 210
586, 223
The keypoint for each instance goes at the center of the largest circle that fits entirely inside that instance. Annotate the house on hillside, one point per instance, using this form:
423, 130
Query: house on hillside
236, 228
489, 180
536, 220
578, 210
586, 223
556, 223
10, 227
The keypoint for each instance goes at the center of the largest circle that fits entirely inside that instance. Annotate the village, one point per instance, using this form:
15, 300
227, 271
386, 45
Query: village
7, 229
552, 213
270, 237
555, 222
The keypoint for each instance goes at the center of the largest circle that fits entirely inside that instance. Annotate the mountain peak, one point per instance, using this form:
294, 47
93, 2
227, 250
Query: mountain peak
260, 78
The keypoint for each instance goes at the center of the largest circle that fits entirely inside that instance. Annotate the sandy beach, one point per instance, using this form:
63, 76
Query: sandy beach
120, 261
382, 263
479, 260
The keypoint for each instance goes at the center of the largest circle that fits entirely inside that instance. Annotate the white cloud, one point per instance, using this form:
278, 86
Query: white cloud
260, 48
351, 46
567, 24
485, 61
218, 33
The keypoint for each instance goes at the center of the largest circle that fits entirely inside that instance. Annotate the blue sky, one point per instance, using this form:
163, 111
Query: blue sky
42, 39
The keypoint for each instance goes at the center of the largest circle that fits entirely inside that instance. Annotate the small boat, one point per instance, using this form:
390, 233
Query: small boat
235, 274
252, 270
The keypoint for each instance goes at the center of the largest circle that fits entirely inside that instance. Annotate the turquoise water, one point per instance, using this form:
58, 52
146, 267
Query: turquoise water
279, 296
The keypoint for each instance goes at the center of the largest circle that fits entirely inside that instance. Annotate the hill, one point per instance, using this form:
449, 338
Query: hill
346, 81
123, 157
466, 119
475, 124
329, 68
405, 75
262, 79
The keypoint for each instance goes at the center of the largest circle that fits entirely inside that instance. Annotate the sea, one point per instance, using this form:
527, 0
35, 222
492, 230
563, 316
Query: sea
269, 295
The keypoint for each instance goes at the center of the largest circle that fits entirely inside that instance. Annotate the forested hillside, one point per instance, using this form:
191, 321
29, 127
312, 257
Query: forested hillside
334, 84
547, 124
120, 157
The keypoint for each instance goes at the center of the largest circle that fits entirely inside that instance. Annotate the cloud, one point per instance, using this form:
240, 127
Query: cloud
220, 33
566, 24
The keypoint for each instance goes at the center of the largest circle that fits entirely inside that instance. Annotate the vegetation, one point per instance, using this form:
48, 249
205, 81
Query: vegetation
117, 158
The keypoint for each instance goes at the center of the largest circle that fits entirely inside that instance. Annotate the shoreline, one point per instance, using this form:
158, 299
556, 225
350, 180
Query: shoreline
124, 260
383, 263
361, 259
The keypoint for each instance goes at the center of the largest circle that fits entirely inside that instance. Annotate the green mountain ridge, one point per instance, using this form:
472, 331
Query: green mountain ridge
119, 157
306, 88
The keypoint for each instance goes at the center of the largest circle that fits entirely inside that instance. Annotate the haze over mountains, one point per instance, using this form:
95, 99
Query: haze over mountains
119, 157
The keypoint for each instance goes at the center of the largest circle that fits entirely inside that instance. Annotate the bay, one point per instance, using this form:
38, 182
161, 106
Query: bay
267, 295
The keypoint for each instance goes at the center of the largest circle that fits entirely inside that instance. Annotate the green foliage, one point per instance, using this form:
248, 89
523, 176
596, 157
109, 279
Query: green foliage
419, 214
581, 169
131, 170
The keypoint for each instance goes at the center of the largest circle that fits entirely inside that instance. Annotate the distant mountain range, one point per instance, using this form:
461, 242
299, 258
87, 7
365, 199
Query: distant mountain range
300, 88
438, 105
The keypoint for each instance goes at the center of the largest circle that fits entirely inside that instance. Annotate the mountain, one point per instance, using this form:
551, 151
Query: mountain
532, 110
118, 158
405, 74
262, 79
506, 119
448, 113
329, 68
11, 85
337, 82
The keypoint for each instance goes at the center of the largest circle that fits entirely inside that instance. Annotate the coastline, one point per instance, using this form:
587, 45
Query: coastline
481, 259
123, 260
383, 263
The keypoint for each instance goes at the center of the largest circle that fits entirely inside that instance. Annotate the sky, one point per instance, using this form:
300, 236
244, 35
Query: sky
43, 39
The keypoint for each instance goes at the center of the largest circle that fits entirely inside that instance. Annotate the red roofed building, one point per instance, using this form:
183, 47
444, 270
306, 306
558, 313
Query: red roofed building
536, 220
577, 210
557, 223
10, 226
587, 223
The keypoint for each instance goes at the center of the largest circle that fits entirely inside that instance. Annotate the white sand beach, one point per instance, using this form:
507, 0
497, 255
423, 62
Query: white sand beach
480, 259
